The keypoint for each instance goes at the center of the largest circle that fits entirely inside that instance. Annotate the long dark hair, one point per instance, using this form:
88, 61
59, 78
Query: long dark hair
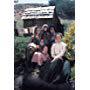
52, 26
35, 30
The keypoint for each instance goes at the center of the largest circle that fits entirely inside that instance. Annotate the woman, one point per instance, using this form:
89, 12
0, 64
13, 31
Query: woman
59, 67
52, 34
51, 37
44, 34
35, 38
40, 57
37, 31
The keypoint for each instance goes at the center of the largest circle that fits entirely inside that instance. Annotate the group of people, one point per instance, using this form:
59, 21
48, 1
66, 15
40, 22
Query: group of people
45, 66
46, 54
43, 39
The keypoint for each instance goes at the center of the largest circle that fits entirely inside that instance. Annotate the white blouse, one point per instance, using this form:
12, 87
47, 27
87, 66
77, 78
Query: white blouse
58, 49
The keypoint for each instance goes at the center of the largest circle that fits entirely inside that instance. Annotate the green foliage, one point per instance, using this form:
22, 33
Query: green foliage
52, 2
69, 39
20, 44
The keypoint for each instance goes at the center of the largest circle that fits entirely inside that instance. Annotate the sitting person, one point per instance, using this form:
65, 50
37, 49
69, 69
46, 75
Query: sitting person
40, 57
35, 38
58, 49
58, 66
51, 38
44, 34
37, 31
42, 43
45, 53
52, 34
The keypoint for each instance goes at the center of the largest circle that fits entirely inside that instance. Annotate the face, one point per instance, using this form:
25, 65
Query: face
45, 49
58, 39
52, 30
45, 28
32, 36
38, 31
37, 46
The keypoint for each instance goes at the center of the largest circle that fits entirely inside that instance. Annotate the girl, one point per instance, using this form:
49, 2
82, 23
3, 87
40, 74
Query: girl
41, 56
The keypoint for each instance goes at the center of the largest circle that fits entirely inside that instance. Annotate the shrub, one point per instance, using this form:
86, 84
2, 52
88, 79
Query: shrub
20, 44
69, 39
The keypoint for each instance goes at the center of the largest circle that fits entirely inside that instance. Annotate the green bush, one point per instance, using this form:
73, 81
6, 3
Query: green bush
69, 39
20, 44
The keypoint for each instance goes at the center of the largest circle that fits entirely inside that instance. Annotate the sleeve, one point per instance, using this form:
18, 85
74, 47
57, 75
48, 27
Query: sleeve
52, 51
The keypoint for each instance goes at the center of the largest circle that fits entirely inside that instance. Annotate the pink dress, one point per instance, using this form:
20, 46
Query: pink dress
39, 58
